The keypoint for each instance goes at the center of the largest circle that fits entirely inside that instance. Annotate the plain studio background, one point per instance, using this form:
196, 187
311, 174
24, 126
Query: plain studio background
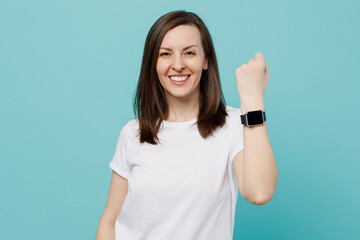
68, 72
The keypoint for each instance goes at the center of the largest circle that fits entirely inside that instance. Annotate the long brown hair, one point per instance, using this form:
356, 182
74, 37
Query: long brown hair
150, 103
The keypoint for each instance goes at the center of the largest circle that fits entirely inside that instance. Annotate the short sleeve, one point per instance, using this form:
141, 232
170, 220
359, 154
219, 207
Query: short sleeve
119, 161
236, 130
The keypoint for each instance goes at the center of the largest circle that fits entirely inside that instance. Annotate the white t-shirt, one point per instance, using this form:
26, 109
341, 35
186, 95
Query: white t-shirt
183, 189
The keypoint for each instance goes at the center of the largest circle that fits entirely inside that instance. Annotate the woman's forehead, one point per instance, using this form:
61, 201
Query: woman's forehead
183, 36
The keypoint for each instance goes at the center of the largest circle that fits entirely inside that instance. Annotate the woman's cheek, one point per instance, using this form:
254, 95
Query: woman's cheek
194, 64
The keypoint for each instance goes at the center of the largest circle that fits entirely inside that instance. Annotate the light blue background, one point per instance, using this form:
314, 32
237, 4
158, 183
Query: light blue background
68, 72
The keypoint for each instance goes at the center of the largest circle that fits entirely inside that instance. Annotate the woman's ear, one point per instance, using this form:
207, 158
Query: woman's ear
206, 64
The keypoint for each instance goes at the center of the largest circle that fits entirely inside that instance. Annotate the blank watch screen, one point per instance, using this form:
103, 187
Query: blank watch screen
255, 117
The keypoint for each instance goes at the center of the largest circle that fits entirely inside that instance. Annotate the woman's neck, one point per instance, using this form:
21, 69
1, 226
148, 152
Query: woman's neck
183, 109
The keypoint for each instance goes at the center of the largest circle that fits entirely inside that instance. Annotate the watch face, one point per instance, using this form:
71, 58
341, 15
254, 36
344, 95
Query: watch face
255, 117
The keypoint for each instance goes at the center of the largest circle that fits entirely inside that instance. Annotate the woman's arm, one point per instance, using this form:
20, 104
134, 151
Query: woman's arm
117, 194
255, 165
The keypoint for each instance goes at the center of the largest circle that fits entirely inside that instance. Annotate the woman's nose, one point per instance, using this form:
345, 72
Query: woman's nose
178, 64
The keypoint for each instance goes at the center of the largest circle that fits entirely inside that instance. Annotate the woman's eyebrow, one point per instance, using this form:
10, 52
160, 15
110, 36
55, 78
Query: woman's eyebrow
169, 49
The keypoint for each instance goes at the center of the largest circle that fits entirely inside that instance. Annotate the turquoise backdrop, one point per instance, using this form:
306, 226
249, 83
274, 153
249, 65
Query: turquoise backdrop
68, 72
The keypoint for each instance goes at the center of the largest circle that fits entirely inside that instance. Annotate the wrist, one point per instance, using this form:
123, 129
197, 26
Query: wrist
252, 106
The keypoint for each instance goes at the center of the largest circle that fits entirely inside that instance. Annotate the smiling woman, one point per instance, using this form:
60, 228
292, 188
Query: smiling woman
179, 45
173, 175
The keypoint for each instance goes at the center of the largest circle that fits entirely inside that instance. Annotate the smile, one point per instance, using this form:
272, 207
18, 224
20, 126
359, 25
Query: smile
179, 80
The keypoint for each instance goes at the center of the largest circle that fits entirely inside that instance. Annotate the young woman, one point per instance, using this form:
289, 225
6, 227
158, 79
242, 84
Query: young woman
178, 167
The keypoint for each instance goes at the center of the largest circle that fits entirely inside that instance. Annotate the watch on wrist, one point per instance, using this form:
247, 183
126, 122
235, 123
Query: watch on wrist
253, 118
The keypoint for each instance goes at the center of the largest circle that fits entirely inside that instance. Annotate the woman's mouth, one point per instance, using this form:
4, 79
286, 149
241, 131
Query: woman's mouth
179, 80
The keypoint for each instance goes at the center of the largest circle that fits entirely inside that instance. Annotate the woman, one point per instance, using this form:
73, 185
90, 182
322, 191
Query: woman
177, 167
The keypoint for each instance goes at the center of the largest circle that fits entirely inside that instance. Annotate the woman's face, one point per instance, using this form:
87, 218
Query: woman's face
181, 61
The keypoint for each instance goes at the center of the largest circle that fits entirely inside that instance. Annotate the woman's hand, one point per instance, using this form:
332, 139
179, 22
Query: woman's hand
251, 80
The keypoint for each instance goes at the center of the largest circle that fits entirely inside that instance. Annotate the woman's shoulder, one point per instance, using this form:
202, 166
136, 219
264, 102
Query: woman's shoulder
133, 123
130, 129
232, 111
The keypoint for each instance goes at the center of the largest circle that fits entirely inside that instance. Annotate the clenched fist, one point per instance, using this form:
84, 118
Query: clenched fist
252, 78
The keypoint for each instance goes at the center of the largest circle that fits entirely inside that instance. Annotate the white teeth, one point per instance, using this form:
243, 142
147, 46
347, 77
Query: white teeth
178, 79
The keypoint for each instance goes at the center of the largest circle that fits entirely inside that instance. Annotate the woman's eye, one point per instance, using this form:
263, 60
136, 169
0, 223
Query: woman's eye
168, 54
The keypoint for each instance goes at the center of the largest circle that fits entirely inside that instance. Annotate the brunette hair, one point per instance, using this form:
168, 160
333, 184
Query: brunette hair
150, 103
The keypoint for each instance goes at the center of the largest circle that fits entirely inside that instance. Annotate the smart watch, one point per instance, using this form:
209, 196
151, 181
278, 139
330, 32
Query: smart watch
253, 118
